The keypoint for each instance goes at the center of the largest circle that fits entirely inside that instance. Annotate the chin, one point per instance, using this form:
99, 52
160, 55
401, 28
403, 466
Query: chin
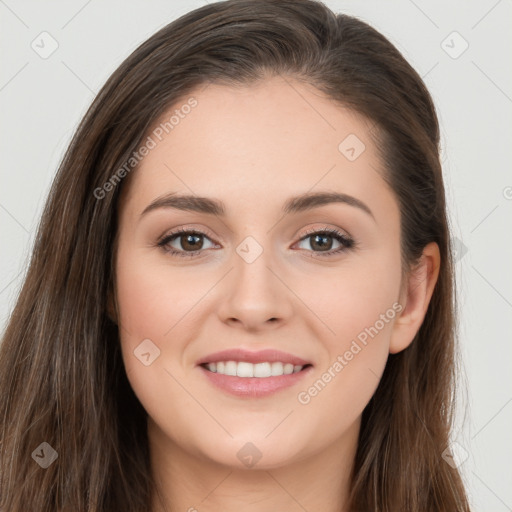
254, 451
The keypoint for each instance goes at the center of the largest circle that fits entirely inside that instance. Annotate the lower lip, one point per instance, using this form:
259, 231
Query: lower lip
254, 387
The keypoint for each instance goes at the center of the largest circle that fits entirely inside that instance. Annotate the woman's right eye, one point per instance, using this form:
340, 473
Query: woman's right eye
189, 240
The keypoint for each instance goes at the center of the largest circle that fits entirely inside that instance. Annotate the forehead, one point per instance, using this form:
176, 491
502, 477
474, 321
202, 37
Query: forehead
260, 143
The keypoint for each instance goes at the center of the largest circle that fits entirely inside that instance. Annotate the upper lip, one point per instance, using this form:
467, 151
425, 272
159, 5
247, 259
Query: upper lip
262, 356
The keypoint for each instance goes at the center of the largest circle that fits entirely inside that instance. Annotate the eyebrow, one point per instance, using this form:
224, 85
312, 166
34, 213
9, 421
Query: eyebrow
210, 206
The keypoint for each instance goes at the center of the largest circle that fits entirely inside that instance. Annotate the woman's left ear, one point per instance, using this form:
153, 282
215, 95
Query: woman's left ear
415, 298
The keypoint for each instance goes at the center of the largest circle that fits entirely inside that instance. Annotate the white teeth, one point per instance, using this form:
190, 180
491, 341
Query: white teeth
245, 369
230, 368
277, 369
261, 370
288, 369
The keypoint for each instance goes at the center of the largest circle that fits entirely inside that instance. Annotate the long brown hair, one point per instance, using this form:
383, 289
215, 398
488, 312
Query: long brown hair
62, 380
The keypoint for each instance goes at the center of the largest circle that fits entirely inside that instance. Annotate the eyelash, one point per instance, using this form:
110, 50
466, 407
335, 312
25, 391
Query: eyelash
345, 241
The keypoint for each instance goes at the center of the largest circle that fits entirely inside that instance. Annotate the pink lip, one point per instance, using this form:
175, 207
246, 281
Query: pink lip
253, 387
262, 356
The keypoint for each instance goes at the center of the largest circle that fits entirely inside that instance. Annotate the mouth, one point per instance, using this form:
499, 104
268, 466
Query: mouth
246, 370
253, 380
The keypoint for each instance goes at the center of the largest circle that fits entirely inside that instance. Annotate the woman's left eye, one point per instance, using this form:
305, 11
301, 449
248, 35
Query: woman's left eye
320, 238
191, 242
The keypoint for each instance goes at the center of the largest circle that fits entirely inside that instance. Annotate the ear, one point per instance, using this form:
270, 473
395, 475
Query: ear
415, 297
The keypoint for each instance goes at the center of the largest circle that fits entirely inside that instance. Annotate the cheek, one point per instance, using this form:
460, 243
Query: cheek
156, 309
358, 311
152, 299
136, 294
346, 380
354, 297
143, 320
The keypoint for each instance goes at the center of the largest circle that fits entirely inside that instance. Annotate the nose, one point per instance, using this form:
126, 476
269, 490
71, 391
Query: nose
254, 295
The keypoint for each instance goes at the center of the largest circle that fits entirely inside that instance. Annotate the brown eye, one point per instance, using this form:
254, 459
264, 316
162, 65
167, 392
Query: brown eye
184, 242
191, 242
322, 241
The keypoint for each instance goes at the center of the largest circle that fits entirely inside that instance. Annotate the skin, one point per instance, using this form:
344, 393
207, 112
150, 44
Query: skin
253, 148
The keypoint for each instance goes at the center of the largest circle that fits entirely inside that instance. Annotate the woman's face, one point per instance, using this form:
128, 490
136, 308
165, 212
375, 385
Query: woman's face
257, 277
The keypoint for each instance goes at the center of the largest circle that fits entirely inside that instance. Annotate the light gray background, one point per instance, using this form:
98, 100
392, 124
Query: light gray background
42, 101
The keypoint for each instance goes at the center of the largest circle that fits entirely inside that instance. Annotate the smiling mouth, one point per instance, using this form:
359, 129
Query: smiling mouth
245, 369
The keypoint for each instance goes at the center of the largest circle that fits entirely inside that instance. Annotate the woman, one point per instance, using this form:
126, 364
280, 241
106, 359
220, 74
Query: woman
241, 292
